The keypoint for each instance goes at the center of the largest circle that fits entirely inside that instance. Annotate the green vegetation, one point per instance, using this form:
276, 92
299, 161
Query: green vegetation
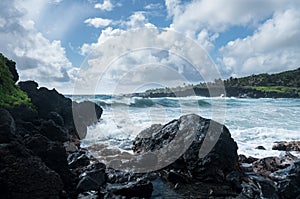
289, 79
276, 89
10, 94
285, 84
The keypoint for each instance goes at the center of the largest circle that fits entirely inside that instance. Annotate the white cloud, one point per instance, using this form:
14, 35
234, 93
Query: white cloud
273, 47
37, 57
98, 22
153, 6
137, 20
105, 6
220, 15
122, 61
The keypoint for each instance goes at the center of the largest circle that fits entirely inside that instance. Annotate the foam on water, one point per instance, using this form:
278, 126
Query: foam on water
252, 122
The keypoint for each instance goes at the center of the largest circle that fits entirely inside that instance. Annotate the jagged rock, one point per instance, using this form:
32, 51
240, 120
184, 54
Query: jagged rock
139, 189
190, 132
258, 187
287, 146
7, 126
244, 159
70, 147
56, 118
27, 128
91, 180
54, 132
24, 113
78, 159
25, 176
53, 155
176, 177
76, 116
12, 68
118, 176
266, 166
288, 181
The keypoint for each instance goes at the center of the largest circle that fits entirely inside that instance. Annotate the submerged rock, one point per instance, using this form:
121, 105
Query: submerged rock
201, 147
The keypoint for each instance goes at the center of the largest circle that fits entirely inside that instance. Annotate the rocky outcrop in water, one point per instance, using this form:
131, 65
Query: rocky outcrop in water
48, 103
193, 136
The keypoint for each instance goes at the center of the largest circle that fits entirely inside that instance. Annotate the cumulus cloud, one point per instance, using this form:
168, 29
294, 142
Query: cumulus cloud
37, 57
273, 47
98, 22
105, 6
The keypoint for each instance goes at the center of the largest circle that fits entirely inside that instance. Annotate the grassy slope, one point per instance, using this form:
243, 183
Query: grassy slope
10, 94
284, 82
287, 82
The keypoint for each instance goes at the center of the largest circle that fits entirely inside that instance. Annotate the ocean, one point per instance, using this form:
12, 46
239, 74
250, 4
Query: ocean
251, 122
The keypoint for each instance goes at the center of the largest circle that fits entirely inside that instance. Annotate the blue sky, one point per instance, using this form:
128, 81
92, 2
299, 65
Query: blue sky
52, 40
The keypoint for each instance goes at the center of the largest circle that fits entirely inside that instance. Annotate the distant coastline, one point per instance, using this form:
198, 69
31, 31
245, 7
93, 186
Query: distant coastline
280, 85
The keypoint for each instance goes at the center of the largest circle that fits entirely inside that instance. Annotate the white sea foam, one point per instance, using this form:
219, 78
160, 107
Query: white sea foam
252, 122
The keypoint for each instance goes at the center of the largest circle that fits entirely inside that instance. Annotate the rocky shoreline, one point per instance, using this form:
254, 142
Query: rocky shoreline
41, 157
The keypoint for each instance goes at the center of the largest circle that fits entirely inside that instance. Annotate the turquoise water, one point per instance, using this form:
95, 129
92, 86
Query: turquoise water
252, 122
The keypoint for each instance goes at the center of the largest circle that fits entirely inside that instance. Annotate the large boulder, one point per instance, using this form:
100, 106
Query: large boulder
197, 146
76, 116
23, 175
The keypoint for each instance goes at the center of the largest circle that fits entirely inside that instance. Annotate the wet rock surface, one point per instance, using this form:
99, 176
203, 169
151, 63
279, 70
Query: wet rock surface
287, 146
195, 136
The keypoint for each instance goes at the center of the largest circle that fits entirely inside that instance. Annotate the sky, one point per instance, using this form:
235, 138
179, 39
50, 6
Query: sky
109, 46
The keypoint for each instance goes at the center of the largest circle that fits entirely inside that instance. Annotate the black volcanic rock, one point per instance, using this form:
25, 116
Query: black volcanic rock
258, 187
54, 132
91, 180
287, 146
23, 113
7, 127
76, 116
218, 151
139, 189
12, 68
53, 155
288, 181
23, 175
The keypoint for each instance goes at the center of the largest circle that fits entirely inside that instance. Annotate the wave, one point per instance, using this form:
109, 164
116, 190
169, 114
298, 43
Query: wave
151, 102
